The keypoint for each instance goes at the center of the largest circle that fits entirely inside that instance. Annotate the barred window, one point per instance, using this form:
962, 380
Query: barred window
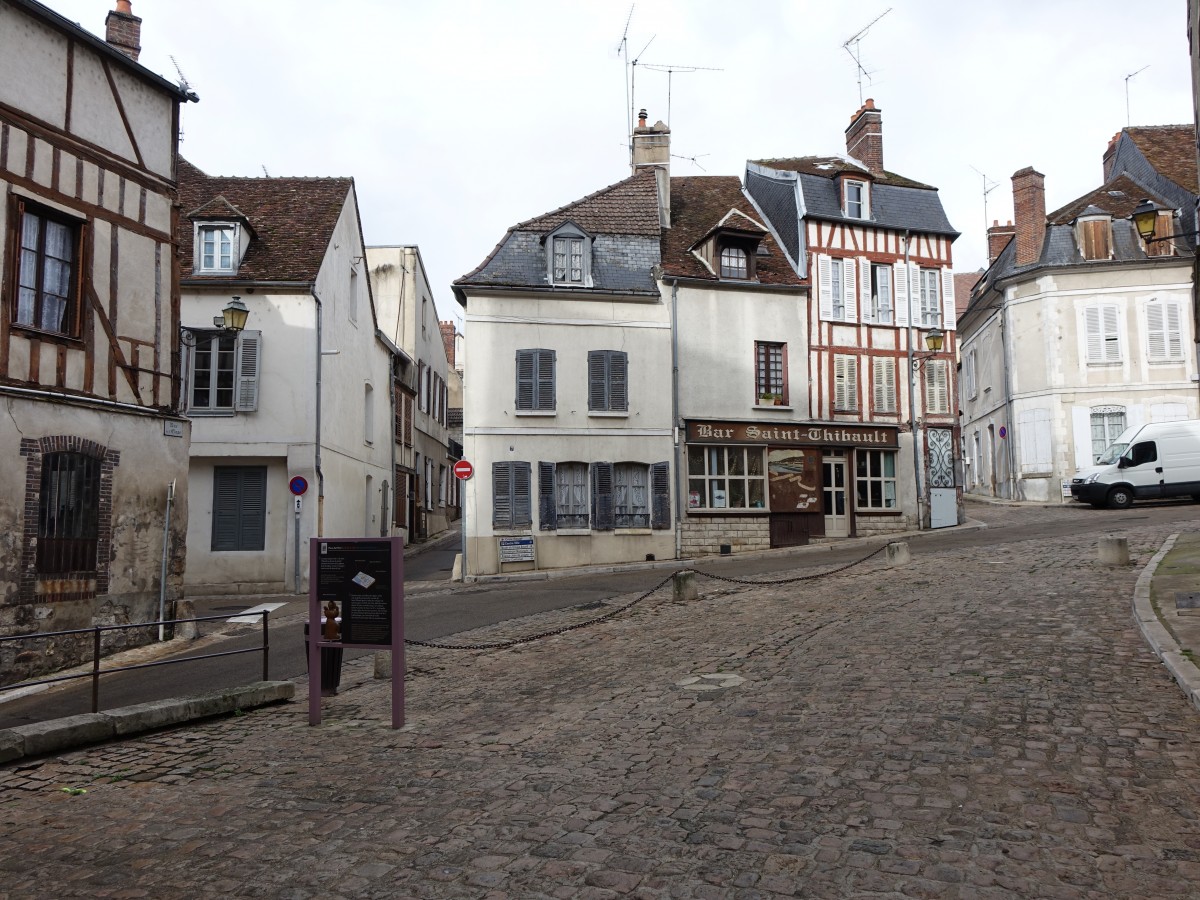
68, 514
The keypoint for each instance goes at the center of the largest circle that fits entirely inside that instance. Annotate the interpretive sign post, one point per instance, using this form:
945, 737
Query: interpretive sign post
356, 599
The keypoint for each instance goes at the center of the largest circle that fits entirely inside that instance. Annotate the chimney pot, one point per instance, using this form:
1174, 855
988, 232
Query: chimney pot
641, 118
123, 30
864, 137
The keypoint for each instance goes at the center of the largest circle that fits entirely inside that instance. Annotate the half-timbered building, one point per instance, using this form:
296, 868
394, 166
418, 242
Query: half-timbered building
89, 368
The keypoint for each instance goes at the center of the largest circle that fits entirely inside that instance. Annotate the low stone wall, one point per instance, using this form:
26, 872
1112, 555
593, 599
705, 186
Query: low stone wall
704, 537
873, 526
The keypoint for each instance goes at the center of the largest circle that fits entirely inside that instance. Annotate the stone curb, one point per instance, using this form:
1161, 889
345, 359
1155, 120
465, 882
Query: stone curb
67, 733
1164, 645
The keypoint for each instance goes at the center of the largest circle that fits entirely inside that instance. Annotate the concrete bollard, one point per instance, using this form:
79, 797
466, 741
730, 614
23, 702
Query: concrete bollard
683, 586
1114, 551
898, 554
186, 631
383, 664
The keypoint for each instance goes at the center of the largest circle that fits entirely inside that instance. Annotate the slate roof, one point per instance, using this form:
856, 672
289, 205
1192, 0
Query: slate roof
622, 220
292, 221
1171, 150
829, 166
700, 203
1117, 197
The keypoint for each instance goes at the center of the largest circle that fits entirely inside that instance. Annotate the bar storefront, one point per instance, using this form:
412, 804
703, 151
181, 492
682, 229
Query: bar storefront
751, 486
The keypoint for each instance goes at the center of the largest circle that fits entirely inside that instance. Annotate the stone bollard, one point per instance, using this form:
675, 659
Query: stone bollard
186, 631
897, 554
683, 586
1114, 551
383, 664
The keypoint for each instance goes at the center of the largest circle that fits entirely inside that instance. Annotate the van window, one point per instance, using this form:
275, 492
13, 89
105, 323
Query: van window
1111, 454
1144, 452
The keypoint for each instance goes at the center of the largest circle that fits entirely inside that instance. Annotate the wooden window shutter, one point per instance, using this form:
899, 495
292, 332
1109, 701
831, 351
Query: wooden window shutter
660, 491
526, 362
598, 379
825, 286
226, 484
845, 378
1095, 343
502, 495
937, 388
1110, 328
900, 294
884, 373
547, 509
1163, 330
851, 305
618, 381
603, 517
864, 291
254, 508
949, 312
408, 419
545, 379
249, 353
522, 503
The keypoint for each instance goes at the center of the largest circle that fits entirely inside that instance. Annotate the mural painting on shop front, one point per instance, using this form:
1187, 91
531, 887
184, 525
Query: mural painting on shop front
794, 479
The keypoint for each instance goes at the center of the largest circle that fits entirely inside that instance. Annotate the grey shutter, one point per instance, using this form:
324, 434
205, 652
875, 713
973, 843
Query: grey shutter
547, 508
254, 509
522, 503
239, 508
603, 518
660, 494
502, 495
545, 380
597, 379
618, 381
226, 493
525, 379
249, 353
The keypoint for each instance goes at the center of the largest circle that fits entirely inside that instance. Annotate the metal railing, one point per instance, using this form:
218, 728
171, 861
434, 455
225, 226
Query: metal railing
96, 671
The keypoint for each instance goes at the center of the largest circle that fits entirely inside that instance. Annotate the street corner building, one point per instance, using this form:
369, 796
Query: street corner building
685, 366
94, 444
1082, 326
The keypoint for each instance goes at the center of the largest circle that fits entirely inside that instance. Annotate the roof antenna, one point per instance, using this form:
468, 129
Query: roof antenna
1127, 77
671, 70
623, 50
856, 55
266, 174
988, 187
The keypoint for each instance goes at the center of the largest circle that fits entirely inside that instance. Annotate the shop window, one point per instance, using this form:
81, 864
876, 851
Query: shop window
875, 479
726, 478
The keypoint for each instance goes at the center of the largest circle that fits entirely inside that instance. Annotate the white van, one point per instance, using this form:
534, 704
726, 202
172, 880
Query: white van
1145, 463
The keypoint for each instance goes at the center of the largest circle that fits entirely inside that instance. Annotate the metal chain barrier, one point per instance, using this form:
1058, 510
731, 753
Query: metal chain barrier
513, 642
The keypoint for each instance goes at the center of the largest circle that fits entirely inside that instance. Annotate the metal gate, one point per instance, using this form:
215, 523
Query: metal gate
943, 500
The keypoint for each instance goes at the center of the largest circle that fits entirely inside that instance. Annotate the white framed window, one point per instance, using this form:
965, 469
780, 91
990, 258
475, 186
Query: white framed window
882, 304
631, 495
931, 299
875, 479
883, 379
1103, 333
224, 372
836, 289
1163, 330
856, 199
564, 495
352, 300
937, 386
733, 263
568, 260
845, 383
217, 247
770, 373
726, 477
969, 374
368, 413
1107, 424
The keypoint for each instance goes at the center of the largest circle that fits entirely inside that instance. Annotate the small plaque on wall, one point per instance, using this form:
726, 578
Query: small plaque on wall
172, 428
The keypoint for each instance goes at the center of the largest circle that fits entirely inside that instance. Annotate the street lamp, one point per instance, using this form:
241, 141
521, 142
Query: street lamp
935, 338
233, 317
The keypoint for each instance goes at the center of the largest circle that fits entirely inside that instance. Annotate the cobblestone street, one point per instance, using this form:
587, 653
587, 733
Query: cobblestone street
977, 724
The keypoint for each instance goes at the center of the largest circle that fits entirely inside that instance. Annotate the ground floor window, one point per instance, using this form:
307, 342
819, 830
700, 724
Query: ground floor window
68, 513
631, 496
239, 518
1107, 424
726, 478
571, 494
875, 479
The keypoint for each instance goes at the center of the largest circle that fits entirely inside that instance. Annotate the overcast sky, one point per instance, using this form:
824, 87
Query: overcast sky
459, 119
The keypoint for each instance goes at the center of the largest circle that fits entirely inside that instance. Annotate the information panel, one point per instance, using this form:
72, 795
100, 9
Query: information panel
357, 575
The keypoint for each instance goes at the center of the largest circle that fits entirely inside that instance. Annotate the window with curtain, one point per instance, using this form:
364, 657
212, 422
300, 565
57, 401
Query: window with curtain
48, 270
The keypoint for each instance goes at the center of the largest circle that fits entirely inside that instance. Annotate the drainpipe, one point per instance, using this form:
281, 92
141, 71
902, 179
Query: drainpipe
317, 437
912, 386
680, 484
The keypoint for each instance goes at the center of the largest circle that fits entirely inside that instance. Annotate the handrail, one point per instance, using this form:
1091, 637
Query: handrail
96, 671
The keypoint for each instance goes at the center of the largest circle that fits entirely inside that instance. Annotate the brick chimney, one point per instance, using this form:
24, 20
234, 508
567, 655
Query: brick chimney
998, 237
1029, 211
652, 148
1110, 155
448, 341
123, 30
864, 137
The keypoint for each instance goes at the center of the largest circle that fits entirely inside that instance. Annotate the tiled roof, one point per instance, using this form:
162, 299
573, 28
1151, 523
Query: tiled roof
292, 220
1117, 198
1171, 149
964, 282
698, 204
829, 166
627, 207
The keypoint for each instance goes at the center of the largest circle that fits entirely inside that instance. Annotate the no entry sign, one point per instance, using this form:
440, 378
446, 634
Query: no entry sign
463, 470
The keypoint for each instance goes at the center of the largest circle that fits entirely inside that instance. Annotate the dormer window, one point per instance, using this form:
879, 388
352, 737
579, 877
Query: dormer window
1094, 234
855, 203
217, 248
734, 263
569, 256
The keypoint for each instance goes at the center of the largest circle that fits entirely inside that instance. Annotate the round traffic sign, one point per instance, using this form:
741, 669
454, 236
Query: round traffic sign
298, 485
463, 470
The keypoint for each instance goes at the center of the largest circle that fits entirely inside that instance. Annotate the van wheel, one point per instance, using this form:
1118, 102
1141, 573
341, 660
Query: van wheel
1120, 498
1196, 497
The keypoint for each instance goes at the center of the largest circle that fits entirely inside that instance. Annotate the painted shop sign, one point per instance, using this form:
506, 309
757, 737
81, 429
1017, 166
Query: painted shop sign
813, 435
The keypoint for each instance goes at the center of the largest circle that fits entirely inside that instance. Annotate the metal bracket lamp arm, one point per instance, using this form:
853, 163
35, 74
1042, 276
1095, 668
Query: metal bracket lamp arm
934, 339
1145, 218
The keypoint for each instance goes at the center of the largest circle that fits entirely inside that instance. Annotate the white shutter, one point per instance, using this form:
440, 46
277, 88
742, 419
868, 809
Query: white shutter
948, 311
249, 353
845, 378
1174, 331
914, 291
868, 310
900, 294
937, 388
1095, 342
1156, 331
1081, 433
1112, 336
825, 287
884, 378
848, 268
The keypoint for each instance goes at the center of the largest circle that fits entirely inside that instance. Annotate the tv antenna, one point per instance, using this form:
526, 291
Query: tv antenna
1127, 77
855, 53
671, 69
184, 86
630, 77
988, 187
